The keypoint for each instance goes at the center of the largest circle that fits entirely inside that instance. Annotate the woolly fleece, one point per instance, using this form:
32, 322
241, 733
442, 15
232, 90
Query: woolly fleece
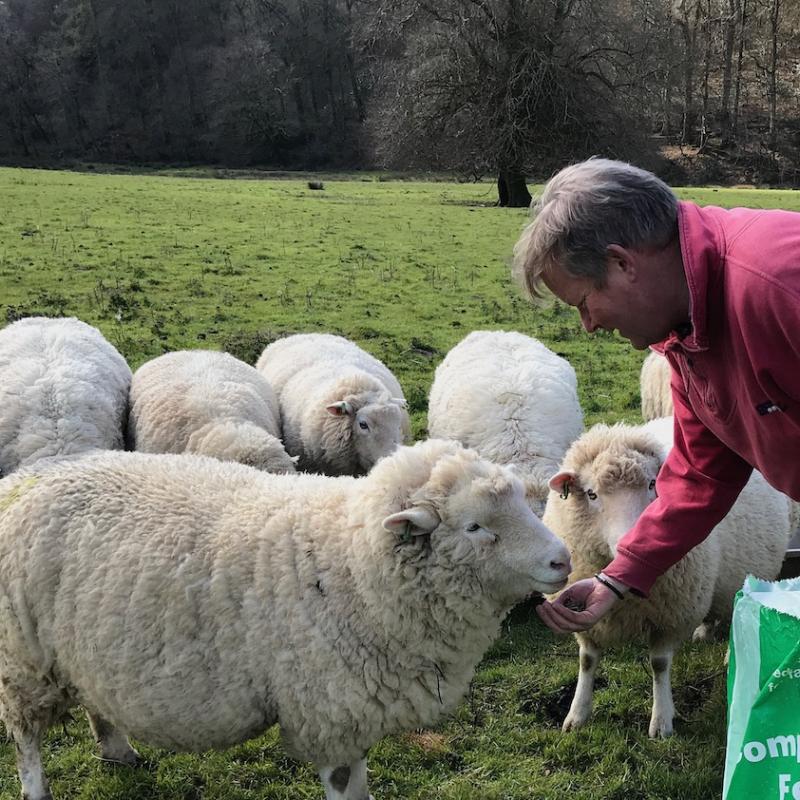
312, 371
207, 403
63, 390
510, 398
192, 603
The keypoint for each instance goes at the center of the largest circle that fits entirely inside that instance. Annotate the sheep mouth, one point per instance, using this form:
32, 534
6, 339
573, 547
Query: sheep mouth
551, 586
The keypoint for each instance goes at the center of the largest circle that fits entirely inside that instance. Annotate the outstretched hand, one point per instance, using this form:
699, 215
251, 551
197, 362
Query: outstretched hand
578, 607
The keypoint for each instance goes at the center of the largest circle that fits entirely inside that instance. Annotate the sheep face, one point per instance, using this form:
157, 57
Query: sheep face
478, 533
610, 491
376, 427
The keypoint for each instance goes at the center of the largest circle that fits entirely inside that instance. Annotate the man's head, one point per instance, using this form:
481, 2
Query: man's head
604, 238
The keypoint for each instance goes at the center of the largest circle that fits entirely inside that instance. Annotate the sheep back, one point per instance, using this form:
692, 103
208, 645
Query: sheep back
208, 403
63, 390
510, 398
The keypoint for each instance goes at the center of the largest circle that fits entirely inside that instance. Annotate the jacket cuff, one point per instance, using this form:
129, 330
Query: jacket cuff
633, 572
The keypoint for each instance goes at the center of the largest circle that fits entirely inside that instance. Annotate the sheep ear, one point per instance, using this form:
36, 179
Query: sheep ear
339, 409
563, 483
414, 521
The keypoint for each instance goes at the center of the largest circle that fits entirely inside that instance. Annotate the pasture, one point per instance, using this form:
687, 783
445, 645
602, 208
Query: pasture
406, 269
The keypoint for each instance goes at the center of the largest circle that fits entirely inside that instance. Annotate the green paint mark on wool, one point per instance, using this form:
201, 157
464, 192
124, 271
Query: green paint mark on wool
20, 489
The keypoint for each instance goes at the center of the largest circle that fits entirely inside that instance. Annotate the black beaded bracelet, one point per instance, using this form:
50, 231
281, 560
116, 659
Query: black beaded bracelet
610, 585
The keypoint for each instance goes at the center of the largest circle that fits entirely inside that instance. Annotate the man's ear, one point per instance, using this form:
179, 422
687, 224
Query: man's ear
623, 259
414, 521
564, 483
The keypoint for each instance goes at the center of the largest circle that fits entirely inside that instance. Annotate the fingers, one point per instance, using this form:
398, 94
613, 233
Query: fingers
561, 619
590, 602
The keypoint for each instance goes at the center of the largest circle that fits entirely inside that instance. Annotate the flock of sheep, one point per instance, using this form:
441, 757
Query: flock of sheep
276, 551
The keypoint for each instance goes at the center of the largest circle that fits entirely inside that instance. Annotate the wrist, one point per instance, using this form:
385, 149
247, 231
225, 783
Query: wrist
617, 587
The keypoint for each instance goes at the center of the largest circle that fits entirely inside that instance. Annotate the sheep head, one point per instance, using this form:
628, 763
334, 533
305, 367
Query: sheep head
464, 525
607, 479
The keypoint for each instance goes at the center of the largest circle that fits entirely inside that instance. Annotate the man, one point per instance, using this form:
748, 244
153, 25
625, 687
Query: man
718, 293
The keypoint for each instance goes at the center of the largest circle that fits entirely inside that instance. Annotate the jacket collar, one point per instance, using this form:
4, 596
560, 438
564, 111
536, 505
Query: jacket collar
702, 248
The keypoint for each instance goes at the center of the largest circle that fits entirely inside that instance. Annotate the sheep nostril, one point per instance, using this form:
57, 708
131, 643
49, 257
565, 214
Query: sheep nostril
560, 566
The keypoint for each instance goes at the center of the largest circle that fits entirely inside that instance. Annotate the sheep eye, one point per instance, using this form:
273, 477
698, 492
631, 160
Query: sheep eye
363, 425
591, 494
652, 485
473, 527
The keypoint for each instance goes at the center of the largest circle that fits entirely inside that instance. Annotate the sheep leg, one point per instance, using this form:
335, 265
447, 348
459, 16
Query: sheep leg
703, 632
661, 651
113, 745
29, 766
347, 782
581, 708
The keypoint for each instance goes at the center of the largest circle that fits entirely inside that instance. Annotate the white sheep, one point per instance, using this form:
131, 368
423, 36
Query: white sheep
192, 603
654, 386
513, 400
207, 403
342, 409
607, 479
63, 390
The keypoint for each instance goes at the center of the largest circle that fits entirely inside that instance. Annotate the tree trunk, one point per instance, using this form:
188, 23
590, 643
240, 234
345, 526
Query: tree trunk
731, 20
512, 190
739, 61
772, 73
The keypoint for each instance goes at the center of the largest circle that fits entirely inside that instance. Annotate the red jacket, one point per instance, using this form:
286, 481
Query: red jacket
735, 382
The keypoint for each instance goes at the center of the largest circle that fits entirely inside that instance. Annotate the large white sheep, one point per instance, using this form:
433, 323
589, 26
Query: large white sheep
654, 387
342, 409
192, 603
513, 400
607, 479
207, 403
63, 390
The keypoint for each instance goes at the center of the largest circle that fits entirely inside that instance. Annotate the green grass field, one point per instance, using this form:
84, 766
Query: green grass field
406, 269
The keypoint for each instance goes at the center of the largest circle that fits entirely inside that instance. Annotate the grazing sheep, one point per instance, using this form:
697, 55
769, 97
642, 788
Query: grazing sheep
63, 390
513, 400
607, 479
207, 403
654, 383
342, 409
192, 603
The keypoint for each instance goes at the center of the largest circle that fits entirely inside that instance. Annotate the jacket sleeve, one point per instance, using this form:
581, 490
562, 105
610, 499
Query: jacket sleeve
696, 487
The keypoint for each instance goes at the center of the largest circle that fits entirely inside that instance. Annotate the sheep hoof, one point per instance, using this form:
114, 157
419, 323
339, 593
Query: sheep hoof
573, 722
129, 758
660, 728
702, 633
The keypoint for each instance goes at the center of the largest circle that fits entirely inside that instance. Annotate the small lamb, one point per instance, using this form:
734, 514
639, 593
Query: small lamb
207, 403
192, 603
607, 479
63, 390
513, 400
654, 385
341, 408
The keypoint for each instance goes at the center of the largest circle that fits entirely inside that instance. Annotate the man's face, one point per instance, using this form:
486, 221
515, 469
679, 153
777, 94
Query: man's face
623, 304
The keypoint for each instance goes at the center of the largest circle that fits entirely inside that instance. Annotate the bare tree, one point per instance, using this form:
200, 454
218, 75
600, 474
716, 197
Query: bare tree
504, 86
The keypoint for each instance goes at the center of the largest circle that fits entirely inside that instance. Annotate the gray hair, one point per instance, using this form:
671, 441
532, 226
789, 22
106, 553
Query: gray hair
587, 207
